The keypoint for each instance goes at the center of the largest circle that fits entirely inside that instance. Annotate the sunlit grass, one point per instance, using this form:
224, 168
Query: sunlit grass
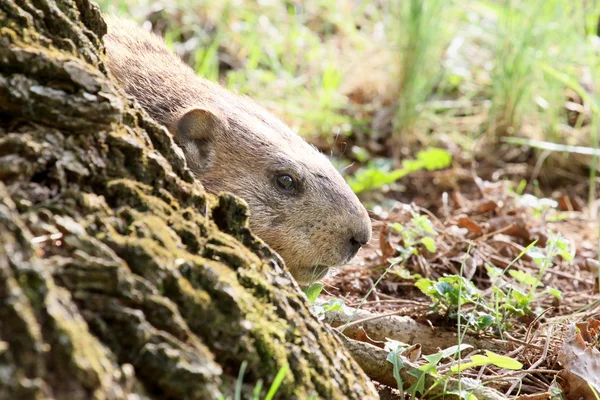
290, 58
528, 34
422, 39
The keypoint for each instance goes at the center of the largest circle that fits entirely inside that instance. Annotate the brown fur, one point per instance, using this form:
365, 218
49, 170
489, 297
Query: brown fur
234, 145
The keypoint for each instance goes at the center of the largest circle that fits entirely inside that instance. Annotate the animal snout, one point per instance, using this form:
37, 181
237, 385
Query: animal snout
359, 236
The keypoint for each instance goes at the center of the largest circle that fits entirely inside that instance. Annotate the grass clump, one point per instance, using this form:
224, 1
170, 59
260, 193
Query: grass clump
422, 39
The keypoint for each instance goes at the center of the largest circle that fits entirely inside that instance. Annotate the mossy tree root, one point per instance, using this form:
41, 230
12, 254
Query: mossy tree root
118, 274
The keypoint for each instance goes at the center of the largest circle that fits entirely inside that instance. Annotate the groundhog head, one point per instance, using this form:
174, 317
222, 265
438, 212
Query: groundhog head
299, 204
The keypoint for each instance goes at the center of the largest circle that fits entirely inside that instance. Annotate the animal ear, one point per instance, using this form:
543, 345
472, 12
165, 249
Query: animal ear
197, 132
200, 124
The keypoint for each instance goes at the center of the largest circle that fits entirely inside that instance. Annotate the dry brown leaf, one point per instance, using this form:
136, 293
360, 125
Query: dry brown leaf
362, 336
471, 225
387, 250
535, 396
581, 361
509, 225
570, 203
486, 205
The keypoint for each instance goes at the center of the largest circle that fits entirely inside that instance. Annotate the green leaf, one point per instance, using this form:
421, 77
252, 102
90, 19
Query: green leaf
446, 289
433, 359
423, 224
360, 153
426, 286
313, 291
395, 357
397, 227
564, 248
536, 254
490, 358
492, 271
429, 244
524, 278
485, 321
503, 361
463, 394
519, 299
451, 351
463, 366
435, 158
377, 174
555, 292
394, 345
276, 383
333, 305
419, 385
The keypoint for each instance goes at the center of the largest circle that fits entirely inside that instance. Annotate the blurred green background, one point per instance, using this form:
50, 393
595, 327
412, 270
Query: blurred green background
376, 81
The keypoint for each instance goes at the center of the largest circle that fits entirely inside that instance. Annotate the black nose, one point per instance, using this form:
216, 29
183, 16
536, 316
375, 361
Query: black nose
358, 240
358, 235
355, 245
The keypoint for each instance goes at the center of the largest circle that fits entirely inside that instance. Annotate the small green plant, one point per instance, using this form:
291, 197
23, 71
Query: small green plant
449, 293
557, 246
377, 174
509, 297
432, 361
490, 358
320, 308
419, 231
313, 291
259, 385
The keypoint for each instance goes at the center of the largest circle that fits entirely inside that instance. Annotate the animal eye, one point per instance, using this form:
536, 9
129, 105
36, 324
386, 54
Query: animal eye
285, 183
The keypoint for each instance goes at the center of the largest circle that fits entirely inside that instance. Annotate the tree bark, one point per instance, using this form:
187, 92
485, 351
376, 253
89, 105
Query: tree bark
119, 276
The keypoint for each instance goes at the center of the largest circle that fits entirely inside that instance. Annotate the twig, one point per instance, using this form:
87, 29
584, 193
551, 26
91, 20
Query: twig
518, 373
538, 362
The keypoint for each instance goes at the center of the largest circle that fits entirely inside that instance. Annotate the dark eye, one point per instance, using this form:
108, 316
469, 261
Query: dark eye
285, 183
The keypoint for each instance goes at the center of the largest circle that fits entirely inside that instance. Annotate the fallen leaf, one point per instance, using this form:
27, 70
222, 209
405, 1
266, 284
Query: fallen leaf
509, 225
535, 396
486, 205
581, 361
470, 225
387, 250
362, 336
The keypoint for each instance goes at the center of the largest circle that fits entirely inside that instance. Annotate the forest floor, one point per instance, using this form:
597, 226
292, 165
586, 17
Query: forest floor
478, 228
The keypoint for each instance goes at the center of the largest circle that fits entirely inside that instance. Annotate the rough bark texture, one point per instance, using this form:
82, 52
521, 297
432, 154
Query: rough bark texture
119, 277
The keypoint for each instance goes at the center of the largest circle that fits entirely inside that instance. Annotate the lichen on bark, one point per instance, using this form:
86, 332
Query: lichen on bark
119, 275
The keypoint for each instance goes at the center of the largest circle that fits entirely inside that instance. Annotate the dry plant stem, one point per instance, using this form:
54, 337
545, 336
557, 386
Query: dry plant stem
373, 361
406, 330
522, 343
538, 362
370, 318
390, 301
517, 374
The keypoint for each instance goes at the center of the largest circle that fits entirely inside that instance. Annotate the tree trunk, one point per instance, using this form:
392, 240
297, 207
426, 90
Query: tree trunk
119, 276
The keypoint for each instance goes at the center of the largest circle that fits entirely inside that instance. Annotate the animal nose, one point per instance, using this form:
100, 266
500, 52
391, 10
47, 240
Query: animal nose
355, 245
360, 236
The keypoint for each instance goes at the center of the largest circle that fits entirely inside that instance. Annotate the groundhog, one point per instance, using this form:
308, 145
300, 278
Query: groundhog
299, 204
